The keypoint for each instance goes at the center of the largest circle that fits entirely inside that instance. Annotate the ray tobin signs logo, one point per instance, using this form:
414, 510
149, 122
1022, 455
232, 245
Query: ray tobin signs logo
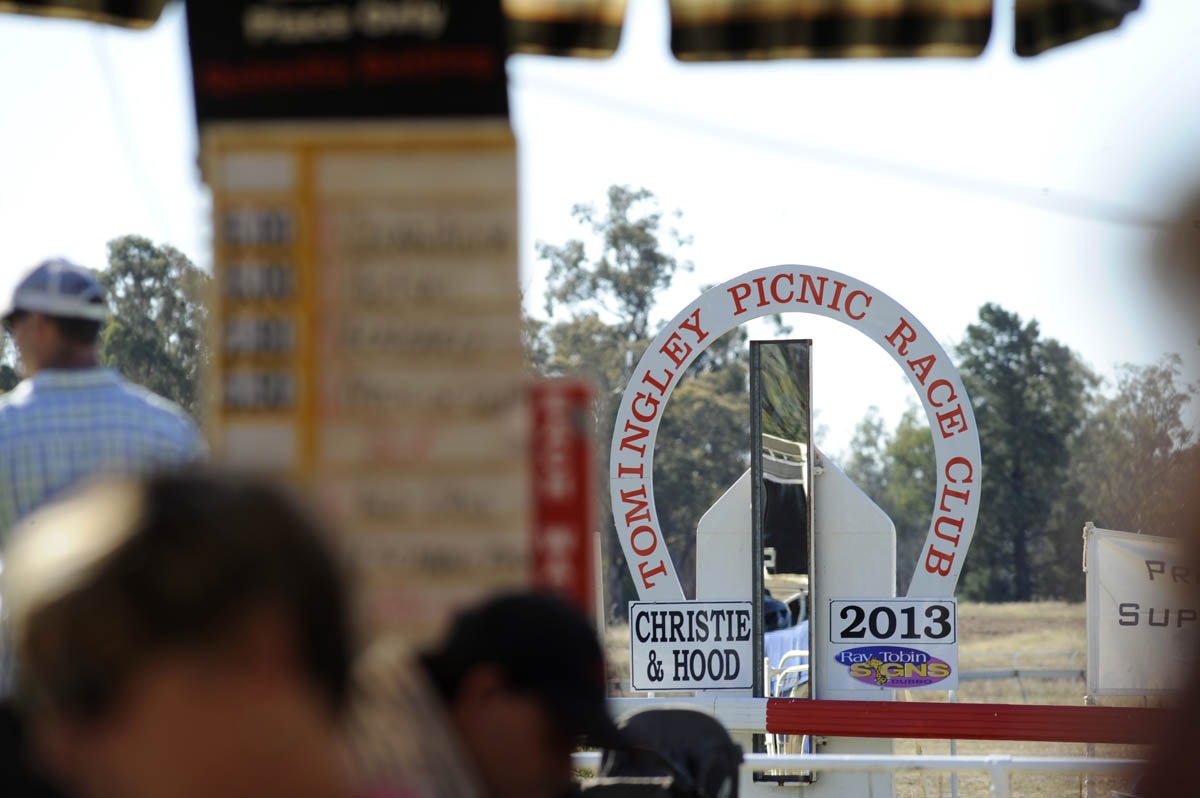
893, 643
894, 666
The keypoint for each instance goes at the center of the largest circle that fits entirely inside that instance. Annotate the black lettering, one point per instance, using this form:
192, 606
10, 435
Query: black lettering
658, 625
1186, 616
854, 630
1155, 567
1128, 611
1165, 620
701, 627
696, 665
733, 664
716, 665
676, 627
743, 625
637, 628
681, 671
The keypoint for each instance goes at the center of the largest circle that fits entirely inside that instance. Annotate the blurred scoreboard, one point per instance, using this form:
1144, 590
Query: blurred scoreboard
367, 326
369, 346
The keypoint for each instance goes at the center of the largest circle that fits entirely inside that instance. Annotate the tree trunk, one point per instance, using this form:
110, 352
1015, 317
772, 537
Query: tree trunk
1022, 581
614, 578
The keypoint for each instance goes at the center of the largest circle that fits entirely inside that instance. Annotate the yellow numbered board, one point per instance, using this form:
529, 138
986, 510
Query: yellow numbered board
367, 346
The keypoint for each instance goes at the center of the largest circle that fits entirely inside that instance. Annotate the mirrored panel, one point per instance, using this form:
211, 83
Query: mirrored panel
781, 421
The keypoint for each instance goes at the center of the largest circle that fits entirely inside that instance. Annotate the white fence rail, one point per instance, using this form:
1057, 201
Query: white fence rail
1074, 668
1074, 657
1000, 766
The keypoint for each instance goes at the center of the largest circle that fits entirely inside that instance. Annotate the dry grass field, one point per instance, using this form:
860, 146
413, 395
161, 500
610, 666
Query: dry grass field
1049, 635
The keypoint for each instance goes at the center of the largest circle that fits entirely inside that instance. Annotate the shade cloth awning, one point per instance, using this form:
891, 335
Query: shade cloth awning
129, 13
736, 30
732, 30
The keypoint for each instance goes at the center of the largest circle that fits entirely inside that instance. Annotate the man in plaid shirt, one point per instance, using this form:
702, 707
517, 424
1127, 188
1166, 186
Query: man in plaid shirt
71, 418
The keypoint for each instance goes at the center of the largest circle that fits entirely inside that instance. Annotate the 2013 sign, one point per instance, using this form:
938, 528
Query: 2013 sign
910, 621
893, 643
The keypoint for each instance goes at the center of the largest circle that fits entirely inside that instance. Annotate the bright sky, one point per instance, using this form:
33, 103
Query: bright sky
945, 184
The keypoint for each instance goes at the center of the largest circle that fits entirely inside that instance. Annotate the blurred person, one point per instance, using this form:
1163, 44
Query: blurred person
497, 707
182, 635
1173, 770
19, 775
72, 418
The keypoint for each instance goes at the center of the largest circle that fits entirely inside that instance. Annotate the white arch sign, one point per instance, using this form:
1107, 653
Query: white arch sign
791, 289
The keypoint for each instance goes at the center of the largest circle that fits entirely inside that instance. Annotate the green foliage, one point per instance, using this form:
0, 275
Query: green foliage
1056, 454
897, 473
8, 373
600, 298
157, 334
629, 270
786, 383
702, 449
1030, 395
1134, 463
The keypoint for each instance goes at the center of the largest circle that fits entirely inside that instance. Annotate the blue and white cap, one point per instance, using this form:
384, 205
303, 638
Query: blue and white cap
58, 287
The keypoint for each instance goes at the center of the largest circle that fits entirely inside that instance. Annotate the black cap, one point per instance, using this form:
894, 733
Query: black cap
545, 647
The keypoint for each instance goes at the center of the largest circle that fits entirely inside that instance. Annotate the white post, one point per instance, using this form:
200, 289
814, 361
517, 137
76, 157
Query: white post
1001, 773
1089, 784
953, 752
598, 586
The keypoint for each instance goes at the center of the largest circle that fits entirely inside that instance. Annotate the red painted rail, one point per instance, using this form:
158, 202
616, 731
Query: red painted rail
964, 721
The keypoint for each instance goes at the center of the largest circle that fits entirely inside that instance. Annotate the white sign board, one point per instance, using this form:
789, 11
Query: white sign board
691, 645
1142, 613
893, 643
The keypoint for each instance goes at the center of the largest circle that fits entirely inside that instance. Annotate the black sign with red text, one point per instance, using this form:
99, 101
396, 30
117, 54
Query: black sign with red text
353, 59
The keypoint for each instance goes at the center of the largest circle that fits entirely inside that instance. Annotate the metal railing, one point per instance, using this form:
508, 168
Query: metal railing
1073, 670
1000, 766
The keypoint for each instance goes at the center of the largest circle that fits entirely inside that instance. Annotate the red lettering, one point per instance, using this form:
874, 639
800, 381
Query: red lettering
807, 284
963, 462
692, 324
736, 292
646, 399
638, 433
921, 367
905, 333
866, 304
638, 471
957, 523
643, 551
775, 288
661, 569
938, 384
641, 505
961, 495
837, 296
762, 294
676, 349
661, 386
952, 422
941, 565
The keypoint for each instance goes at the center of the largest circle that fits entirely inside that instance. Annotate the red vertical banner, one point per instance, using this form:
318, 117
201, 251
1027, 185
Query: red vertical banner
562, 461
